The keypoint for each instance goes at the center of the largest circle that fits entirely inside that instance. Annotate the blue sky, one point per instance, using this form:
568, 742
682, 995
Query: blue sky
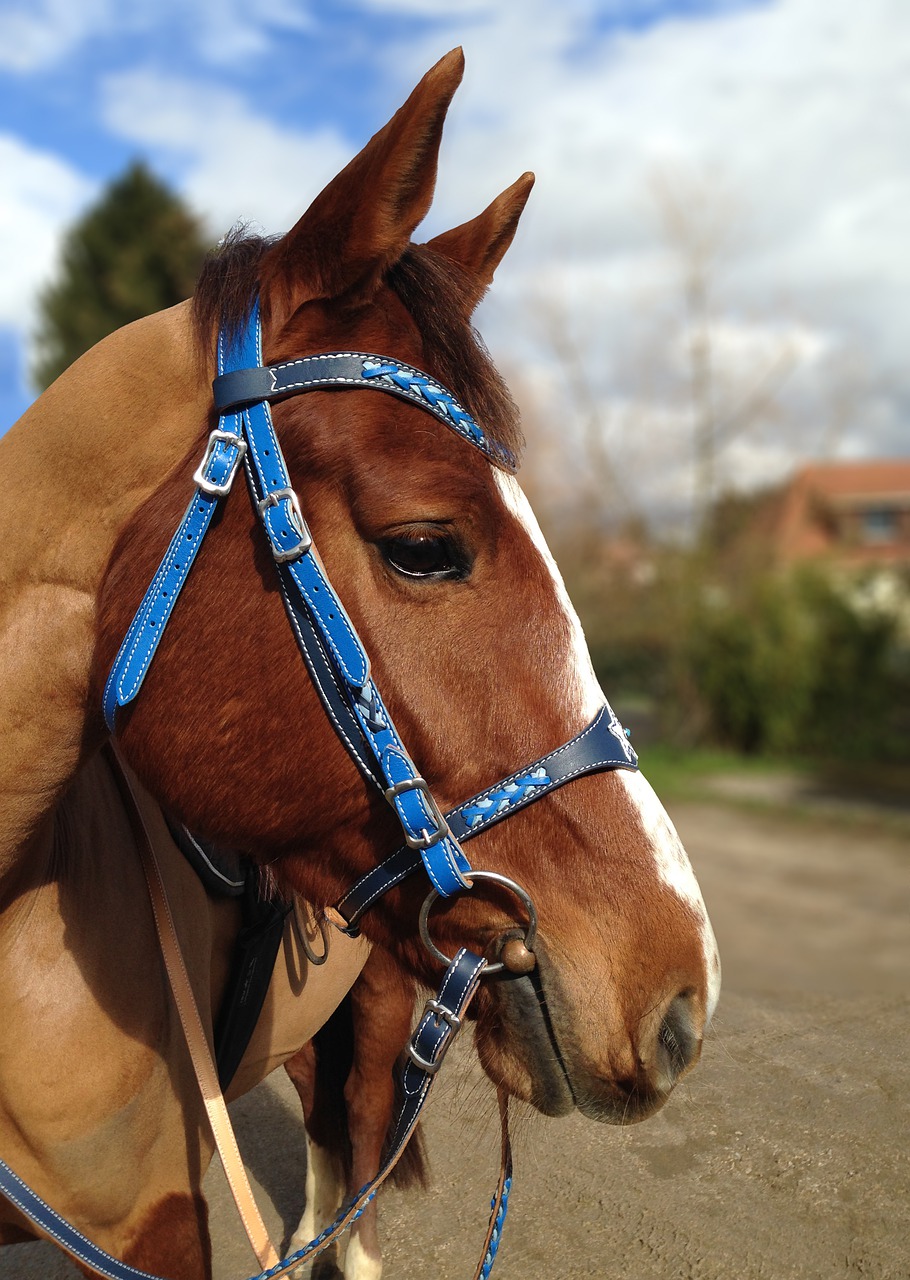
791, 114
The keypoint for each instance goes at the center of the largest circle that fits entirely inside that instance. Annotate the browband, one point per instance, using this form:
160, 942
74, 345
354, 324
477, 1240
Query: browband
241, 387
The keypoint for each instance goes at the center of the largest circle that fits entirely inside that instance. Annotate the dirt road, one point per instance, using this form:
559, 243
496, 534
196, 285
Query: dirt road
783, 1157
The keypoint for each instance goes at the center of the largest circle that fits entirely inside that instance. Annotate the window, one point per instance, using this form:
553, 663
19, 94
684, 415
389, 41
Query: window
879, 524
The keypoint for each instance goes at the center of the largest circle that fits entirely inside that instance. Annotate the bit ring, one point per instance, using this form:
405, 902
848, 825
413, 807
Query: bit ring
497, 966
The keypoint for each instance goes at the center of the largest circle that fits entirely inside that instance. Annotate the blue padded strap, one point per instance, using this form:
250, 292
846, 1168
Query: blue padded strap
284, 525
213, 477
357, 710
245, 386
601, 745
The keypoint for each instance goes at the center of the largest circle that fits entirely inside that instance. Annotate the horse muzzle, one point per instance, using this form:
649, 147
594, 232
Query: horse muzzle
559, 1054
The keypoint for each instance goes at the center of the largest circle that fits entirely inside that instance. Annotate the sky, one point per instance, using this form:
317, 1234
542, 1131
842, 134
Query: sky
776, 129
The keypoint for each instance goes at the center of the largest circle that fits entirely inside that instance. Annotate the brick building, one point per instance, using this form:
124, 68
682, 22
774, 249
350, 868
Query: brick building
854, 513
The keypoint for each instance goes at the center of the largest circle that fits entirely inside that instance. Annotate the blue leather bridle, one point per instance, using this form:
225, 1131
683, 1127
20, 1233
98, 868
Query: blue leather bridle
340, 670
328, 642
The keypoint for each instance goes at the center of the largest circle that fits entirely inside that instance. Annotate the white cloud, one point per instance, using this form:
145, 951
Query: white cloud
37, 34
237, 164
41, 195
795, 114
785, 121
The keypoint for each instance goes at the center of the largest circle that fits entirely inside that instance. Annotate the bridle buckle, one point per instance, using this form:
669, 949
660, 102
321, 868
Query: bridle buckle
211, 487
439, 1012
427, 838
272, 499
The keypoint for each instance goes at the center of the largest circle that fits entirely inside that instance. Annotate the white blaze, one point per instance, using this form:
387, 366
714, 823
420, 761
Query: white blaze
670, 858
673, 867
584, 681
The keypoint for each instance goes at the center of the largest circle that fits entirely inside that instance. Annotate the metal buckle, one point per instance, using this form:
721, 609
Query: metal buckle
272, 500
524, 897
426, 838
429, 1067
199, 477
439, 1011
407, 784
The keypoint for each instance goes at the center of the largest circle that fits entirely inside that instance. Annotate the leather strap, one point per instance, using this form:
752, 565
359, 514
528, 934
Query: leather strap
428, 1046
314, 607
241, 387
601, 745
193, 1030
214, 477
499, 1205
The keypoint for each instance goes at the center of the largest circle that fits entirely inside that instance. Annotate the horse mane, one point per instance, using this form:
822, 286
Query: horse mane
433, 290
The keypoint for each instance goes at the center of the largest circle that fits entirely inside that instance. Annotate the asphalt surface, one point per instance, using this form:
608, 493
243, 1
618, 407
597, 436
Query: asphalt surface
784, 1156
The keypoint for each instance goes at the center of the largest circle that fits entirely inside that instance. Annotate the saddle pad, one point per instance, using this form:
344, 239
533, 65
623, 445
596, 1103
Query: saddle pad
222, 872
226, 874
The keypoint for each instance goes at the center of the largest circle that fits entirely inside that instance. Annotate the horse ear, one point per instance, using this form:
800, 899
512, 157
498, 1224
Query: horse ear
362, 222
479, 245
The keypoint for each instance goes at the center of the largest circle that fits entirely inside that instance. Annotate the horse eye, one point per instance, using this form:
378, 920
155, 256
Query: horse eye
424, 556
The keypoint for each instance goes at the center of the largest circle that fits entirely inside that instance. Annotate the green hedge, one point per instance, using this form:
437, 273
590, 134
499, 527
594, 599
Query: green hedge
802, 663
805, 663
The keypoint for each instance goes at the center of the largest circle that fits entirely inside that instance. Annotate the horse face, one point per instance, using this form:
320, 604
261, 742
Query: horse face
476, 649
482, 661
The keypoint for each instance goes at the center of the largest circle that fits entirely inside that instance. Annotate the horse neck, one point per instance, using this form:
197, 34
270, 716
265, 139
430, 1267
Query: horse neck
76, 466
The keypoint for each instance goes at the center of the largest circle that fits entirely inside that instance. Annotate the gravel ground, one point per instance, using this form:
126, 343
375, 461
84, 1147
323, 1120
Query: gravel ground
785, 1154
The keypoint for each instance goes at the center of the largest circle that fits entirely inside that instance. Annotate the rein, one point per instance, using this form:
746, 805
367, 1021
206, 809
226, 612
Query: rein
340, 671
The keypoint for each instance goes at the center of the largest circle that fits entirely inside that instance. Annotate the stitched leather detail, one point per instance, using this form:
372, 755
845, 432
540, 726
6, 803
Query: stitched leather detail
240, 387
596, 748
499, 801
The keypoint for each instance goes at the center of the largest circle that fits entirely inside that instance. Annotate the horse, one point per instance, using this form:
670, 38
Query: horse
445, 575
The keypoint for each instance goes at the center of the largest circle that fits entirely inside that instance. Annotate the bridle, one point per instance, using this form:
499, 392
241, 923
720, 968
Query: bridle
330, 647
340, 671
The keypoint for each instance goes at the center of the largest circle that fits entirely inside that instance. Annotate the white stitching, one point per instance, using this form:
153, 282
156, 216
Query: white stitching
86, 1257
316, 678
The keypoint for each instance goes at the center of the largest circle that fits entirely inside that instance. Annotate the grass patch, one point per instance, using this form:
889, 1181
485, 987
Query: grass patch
685, 773
862, 794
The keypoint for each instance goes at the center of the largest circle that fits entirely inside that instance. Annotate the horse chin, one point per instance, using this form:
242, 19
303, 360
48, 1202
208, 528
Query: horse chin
527, 1046
518, 1049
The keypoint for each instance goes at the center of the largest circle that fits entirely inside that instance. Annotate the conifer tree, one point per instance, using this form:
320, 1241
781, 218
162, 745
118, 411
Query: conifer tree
137, 250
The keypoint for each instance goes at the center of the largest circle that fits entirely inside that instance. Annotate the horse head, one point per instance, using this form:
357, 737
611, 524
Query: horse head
445, 575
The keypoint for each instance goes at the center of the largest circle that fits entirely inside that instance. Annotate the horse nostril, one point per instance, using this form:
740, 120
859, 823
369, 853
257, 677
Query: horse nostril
678, 1043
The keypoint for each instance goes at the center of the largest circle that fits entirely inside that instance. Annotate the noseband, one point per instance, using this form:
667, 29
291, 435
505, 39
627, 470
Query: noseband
330, 647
